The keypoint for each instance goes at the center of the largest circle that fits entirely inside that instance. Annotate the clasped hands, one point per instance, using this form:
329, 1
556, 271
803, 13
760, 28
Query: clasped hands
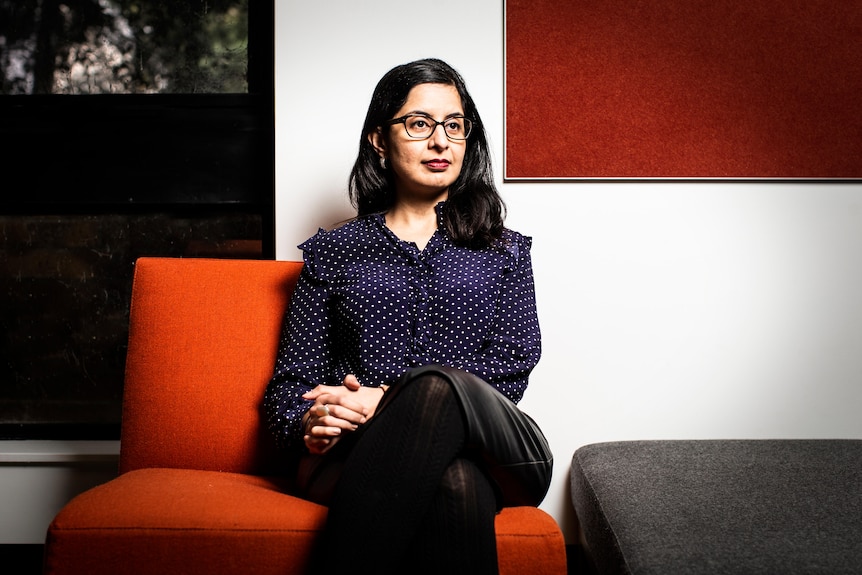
337, 409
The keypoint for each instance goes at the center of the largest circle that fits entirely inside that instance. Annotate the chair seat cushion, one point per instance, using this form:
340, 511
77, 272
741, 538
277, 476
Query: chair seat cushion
184, 521
207, 522
694, 507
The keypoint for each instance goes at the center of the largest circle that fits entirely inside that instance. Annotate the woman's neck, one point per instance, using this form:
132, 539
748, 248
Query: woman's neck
413, 222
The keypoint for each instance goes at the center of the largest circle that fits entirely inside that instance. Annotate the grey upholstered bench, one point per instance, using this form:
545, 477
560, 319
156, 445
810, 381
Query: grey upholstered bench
737, 507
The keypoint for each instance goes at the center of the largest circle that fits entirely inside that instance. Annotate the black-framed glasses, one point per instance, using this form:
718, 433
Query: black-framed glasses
421, 126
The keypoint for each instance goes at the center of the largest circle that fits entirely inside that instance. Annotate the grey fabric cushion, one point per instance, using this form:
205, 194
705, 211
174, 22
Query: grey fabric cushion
721, 506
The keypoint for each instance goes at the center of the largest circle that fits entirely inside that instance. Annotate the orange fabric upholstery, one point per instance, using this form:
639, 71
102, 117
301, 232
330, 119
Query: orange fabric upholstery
203, 335
185, 521
199, 489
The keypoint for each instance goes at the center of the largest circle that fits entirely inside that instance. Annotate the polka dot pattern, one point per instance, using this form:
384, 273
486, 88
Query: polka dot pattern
370, 304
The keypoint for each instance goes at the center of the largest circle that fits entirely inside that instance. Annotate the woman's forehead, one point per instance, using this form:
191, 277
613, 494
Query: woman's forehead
433, 98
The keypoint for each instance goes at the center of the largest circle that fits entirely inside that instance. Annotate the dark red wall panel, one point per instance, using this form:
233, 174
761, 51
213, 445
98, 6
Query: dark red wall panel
739, 89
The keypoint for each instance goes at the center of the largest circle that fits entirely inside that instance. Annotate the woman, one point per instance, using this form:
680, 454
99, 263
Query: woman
409, 338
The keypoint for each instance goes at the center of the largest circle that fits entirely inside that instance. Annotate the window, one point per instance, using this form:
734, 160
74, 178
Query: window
129, 128
124, 47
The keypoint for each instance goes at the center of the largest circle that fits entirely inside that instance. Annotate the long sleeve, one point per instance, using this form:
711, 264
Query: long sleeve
303, 358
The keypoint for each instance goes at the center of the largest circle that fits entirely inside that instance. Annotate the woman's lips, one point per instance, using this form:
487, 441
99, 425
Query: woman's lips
437, 164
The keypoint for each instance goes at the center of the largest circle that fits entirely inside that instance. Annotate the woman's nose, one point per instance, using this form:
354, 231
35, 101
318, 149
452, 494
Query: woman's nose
439, 138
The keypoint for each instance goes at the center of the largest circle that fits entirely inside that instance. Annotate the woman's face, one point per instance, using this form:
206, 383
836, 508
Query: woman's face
423, 169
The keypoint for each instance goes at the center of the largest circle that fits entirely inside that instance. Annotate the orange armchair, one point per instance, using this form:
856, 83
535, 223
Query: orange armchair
199, 489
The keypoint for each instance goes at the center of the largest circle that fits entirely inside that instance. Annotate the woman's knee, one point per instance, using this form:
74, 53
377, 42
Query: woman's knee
465, 480
423, 389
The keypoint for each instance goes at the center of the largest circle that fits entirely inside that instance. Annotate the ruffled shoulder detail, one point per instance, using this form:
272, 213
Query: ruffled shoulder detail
309, 254
515, 246
326, 252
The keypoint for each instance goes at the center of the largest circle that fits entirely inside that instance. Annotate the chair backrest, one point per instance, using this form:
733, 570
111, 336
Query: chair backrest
203, 335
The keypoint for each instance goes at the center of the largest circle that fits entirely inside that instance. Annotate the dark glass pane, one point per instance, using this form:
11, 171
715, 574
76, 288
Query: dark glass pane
123, 46
65, 284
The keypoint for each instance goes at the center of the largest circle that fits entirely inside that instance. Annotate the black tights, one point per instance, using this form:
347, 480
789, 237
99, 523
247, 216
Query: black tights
407, 501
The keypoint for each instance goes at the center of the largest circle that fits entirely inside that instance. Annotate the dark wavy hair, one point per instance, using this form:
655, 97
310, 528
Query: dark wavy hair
474, 211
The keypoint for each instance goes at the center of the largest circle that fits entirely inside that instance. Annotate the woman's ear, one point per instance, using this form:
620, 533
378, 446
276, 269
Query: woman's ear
378, 142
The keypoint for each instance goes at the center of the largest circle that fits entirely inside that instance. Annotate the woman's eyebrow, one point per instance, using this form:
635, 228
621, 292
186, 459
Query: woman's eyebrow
428, 115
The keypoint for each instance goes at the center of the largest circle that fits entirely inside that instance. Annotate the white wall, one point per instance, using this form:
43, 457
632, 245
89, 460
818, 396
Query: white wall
669, 310
38, 477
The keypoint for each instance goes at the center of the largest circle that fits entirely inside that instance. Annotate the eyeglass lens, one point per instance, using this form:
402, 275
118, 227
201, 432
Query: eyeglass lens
457, 128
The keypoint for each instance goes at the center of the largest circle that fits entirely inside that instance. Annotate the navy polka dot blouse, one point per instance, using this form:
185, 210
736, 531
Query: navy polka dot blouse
372, 305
